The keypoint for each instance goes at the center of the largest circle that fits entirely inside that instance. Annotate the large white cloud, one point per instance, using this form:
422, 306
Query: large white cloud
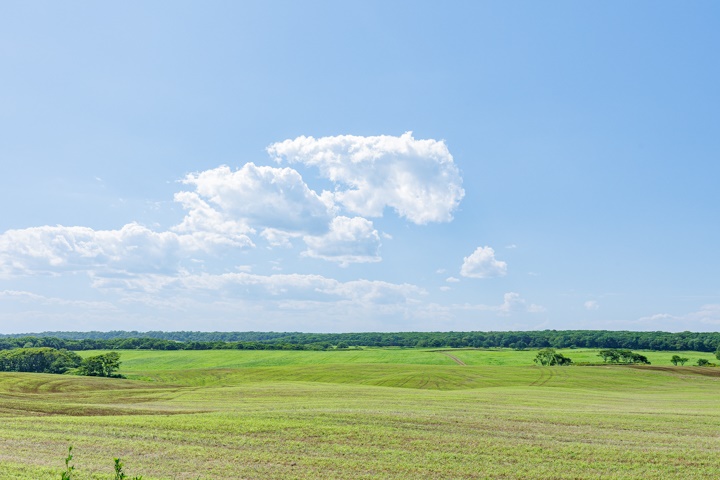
350, 240
133, 248
256, 196
483, 264
277, 201
201, 217
417, 178
225, 208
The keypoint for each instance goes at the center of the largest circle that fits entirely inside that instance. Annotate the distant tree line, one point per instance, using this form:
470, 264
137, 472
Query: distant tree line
186, 340
150, 344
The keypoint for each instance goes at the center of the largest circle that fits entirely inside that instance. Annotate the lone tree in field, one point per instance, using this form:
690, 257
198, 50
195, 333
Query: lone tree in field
548, 357
621, 355
609, 355
100, 365
678, 359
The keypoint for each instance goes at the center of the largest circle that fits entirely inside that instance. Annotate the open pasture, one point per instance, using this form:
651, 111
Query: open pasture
143, 360
373, 413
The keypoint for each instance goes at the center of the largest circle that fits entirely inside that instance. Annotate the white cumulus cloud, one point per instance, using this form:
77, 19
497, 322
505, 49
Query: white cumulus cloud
226, 209
257, 196
350, 240
512, 302
133, 248
277, 202
417, 178
279, 238
483, 264
201, 217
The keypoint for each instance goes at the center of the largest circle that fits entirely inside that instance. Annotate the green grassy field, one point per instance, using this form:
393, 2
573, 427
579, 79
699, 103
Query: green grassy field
372, 413
144, 360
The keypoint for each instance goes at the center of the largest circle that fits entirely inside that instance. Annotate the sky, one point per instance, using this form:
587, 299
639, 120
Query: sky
326, 166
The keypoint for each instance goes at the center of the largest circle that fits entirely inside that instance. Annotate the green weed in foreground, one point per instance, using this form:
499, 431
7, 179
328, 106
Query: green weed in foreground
119, 474
69, 469
68, 474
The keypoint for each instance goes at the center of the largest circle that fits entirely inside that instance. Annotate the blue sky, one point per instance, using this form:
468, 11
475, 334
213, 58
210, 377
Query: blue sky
359, 166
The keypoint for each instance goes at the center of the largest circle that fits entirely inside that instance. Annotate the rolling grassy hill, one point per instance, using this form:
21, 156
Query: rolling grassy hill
373, 413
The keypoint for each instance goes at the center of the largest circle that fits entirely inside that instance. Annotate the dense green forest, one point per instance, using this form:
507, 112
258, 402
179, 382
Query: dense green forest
703, 342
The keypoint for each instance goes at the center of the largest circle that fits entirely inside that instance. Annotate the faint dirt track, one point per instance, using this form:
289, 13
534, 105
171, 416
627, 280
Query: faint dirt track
454, 358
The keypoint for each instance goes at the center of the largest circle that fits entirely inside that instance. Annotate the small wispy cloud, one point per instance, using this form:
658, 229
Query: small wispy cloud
707, 315
512, 303
30, 297
591, 305
534, 308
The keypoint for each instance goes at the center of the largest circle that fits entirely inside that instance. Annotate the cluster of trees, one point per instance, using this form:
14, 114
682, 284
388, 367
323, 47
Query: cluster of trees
618, 355
100, 365
549, 357
51, 360
40, 360
702, 362
703, 342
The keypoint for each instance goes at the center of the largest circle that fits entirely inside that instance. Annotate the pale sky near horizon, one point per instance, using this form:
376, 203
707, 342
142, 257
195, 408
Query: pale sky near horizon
359, 166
